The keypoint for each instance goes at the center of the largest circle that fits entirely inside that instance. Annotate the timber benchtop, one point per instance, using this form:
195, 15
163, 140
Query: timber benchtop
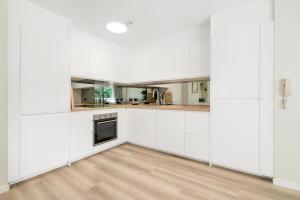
202, 108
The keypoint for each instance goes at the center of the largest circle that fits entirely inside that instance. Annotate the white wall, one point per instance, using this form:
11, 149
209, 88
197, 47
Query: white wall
287, 65
3, 95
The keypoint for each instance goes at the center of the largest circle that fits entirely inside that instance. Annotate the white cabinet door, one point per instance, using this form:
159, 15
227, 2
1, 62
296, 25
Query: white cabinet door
142, 127
235, 134
200, 48
101, 55
266, 100
197, 146
197, 135
44, 143
170, 131
45, 74
235, 62
79, 53
81, 140
100, 64
196, 123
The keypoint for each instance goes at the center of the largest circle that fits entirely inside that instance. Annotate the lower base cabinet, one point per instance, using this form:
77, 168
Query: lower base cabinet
43, 142
197, 147
141, 129
170, 131
81, 140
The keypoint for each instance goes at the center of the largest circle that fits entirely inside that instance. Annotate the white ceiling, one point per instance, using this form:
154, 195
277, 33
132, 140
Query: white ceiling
151, 19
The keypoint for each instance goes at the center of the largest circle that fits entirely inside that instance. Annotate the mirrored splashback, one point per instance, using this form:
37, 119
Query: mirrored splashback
193, 92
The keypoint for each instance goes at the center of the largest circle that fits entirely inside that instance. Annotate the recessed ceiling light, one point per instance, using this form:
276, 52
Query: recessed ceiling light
116, 27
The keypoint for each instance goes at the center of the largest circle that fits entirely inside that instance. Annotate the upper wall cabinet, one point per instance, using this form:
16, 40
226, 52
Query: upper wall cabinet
94, 58
45, 75
200, 52
182, 55
79, 53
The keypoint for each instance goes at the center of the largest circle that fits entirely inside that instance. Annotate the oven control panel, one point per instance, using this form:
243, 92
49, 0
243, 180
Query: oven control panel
105, 116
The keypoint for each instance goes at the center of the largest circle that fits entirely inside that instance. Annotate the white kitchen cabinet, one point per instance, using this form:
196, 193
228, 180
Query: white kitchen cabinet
197, 135
81, 140
196, 123
182, 55
142, 127
82, 133
242, 89
44, 143
200, 52
235, 61
123, 125
266, 99
92, 57
45, 72
100, 60
197, 147
170, 131
79, 53
235, 134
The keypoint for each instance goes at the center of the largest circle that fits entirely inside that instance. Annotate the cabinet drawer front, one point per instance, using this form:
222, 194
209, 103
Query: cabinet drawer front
197, 147
196, 123
80, 117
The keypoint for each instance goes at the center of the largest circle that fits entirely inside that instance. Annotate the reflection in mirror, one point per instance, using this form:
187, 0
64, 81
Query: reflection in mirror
104, 94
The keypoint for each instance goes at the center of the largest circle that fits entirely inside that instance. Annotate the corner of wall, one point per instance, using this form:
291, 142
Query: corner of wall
3, 95
286, 184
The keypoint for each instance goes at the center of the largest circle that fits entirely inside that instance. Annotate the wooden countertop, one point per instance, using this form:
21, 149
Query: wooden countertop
203, 108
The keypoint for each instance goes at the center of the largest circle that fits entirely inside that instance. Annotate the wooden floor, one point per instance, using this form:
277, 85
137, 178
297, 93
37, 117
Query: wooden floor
130, 172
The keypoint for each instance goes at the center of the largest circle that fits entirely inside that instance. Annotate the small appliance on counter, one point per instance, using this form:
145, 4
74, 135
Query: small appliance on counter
134, 101
119, 100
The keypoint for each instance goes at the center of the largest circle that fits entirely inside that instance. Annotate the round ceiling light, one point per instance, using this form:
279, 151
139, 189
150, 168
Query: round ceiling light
116, 27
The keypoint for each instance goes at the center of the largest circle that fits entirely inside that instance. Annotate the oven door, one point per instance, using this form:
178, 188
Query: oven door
105, 130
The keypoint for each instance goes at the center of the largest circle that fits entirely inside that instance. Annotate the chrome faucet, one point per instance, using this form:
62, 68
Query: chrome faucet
157, 94
160, 95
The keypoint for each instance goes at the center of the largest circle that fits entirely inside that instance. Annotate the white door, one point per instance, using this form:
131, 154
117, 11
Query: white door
81, 140
142, 127
45, 74
235, 134
44, 143
170, 131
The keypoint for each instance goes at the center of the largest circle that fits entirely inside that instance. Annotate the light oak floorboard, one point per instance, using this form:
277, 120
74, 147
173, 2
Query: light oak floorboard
130, 172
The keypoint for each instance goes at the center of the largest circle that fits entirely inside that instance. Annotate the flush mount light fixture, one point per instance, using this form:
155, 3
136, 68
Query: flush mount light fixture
116, 27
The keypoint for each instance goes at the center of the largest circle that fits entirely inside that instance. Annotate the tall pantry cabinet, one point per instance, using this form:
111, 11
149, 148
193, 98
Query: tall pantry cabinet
242, 90
41, 44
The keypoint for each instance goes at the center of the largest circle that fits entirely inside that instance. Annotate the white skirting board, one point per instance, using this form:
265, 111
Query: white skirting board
4, 188
287, 184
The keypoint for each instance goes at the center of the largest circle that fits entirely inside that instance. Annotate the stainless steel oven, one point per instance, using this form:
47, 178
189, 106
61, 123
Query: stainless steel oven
105, 128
